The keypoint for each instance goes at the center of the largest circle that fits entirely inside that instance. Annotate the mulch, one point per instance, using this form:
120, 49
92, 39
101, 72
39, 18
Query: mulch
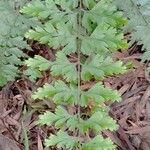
18, 110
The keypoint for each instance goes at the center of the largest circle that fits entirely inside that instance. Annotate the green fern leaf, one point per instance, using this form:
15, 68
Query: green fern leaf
101, 121
55, 38
36, 65
99, 67
103, 12
99, 94
34, 9
138, 13
60, 92
65, 35
13, 26
62, 140
9, 72
47, 91
103, 39
91, 30
33, 74
99, 143
38, 62
63, 67
60, 118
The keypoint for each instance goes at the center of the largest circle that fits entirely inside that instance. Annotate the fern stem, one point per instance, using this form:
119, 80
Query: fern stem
79, 25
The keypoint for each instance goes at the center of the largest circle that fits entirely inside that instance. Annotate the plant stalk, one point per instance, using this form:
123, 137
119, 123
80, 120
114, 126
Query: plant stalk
78, 27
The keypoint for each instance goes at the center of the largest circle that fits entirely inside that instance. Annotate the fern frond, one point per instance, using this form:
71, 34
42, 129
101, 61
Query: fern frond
57, 34
13, 26
90, 30
139, 22
36, 65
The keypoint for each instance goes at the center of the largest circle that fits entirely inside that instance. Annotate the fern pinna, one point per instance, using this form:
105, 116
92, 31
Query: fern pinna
138, 12
88, 32
13, 26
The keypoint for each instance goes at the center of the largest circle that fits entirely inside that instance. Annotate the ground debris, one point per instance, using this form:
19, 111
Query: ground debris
7, 144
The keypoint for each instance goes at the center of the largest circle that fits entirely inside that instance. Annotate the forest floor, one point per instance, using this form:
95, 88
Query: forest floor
18, 111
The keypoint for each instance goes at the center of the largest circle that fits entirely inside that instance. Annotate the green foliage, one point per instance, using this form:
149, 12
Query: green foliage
36, 65
63, 67
62, 140
13, 25
100, 66
138, 13
89, 31
99, 143
56, 32
60, 92
60, 118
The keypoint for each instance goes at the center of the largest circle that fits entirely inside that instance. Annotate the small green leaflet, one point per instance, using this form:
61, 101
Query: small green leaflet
103, 12
103, 39
38, 62
62, 140
59, 92
100, 120
60, 118
62, 37
40, 9
63, 67
99, 94
99, 67
48, 8
99, 143
67, 5
33, 74
35, 66
9, 72
47, 91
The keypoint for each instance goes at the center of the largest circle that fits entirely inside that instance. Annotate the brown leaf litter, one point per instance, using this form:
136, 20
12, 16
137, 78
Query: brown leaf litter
133, 112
